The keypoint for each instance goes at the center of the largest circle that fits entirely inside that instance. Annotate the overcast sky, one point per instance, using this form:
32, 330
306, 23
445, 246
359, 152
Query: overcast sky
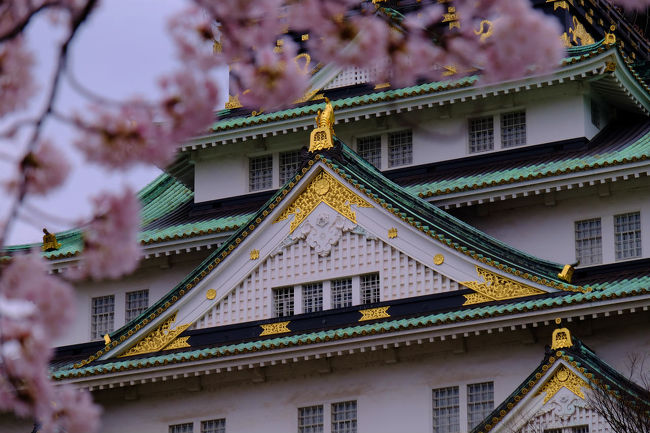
120, 52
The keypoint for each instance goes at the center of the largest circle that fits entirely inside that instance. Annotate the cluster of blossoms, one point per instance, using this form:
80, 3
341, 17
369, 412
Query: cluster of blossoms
255, 39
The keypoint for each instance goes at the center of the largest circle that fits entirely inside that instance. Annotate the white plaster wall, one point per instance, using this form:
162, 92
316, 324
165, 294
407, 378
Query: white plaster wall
549, 231
440, 133
159, 276
391, 396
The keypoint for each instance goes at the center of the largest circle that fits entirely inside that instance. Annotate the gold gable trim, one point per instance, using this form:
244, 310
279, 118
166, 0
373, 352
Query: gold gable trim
374, 313
563, 377
495, 287
161, 338
324, 188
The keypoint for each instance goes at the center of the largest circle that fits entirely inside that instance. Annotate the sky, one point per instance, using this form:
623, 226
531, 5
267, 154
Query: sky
120, 52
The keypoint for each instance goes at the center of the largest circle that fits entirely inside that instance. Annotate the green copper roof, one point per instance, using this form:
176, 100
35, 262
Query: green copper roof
603, 291
632, 145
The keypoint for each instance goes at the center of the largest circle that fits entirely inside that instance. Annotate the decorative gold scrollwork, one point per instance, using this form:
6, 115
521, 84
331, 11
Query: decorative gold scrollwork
563, 377
485, 30
374, 313
161, 338
324, 188
495, 287
275, 328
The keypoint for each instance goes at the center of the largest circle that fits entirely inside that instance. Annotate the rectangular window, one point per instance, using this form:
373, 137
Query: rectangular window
214, 426
344, 417
553, 430
283, 302
589, 249
580, 429
446, 410
260, 172
187, 427
369, 148
342, 293
312, 297
102, 316
369, 285
627, 235
400, 148
480, 402
513, 129
481, 134
310, 419
136, 303
289, 162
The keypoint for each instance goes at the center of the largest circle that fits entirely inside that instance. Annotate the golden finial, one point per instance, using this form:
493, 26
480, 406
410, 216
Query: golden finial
321, 136
49, 241
561, 337
107, 339
566, 274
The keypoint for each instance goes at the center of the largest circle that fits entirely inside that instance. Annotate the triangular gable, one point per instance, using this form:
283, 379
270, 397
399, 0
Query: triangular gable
558, 394
337, 179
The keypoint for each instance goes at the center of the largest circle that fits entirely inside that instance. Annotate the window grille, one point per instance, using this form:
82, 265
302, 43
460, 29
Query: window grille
344, 417
310, 419
481, 134
187, 427
369, 285
513, 129
627, 235
589, 249
102, 316
283, 302
214, 426
136, 304
351, 76
553, 430
369, 148
312, 297
446, 410
580, 429
260, 173
341, 293
480, 402
400, 148
289, 162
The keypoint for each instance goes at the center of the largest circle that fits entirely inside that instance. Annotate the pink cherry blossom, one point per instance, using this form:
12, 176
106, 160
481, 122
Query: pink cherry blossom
45, 169
632, 4
111, 247
195, 38
16, 81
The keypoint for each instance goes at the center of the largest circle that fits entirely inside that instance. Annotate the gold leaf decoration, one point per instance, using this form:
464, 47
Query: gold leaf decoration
324, 188
563, 377
374, 313
495, 287
160, 338
275, 328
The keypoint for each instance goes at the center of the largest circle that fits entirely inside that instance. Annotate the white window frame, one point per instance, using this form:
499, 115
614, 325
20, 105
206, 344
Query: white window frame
486, 412
285, 311
384, 148
220, 428
437, 428
637, 235
282, 181
128, 312
327, 406
95, 333
581, 238
363, 300
463, 400
172, 427
358, 143
497, 142
199, 422
349, 291
253, 185
303, 428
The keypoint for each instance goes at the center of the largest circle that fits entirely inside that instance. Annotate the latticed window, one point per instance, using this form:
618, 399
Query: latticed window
344, 417
312, 297
341, 293
213, 426
369, 285
627, 235
480, 402
481, 134
352, 75
553, 430
589, 248
289, 162
369, 148
400, 148
136, 303
260, 173
513, 129
446, 410
187, 427
580, 429
310, 419
102, 316
283, 302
